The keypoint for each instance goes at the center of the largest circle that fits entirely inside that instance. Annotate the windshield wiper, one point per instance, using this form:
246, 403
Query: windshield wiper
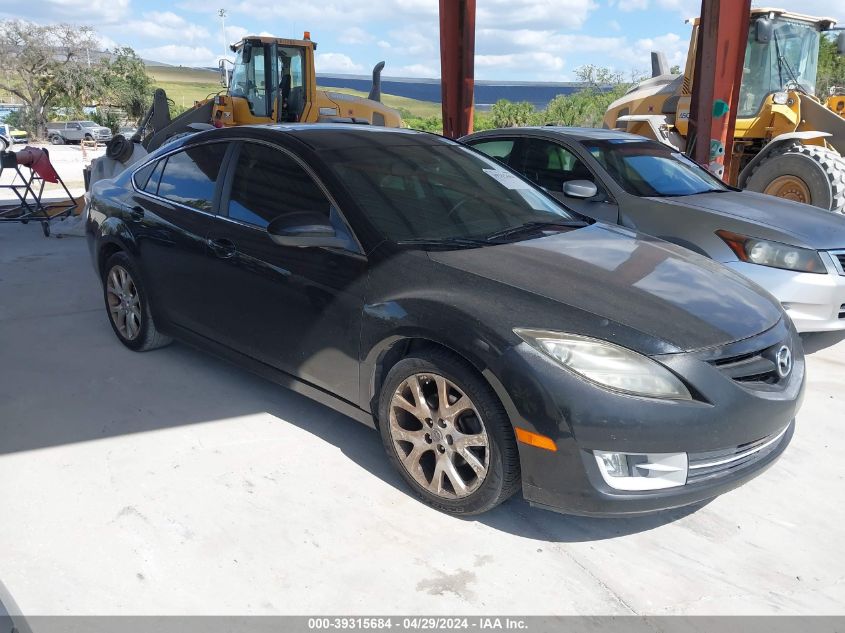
446, 242
529, 227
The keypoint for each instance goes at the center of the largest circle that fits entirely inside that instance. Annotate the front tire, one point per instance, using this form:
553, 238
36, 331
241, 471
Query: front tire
803, 173
4, 145
128, 306
447, 434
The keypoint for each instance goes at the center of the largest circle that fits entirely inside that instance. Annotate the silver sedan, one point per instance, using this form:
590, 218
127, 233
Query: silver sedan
795, 251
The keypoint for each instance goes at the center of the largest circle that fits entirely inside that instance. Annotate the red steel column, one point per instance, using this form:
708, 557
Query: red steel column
457, 65
722, 36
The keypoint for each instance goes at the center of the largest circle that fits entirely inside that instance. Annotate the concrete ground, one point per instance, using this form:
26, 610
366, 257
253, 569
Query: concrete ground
173, 483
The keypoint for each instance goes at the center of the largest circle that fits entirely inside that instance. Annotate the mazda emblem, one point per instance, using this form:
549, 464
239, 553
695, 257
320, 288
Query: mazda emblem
784, 361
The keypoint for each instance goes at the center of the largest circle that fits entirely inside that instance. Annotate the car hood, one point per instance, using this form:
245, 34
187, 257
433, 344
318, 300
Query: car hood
654, 287
795, 223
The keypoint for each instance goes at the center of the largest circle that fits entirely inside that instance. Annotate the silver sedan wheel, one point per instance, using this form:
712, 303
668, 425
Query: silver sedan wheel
124, 302
439, 436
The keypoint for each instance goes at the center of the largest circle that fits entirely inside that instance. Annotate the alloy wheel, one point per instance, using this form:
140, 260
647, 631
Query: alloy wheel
124, 302
439, 436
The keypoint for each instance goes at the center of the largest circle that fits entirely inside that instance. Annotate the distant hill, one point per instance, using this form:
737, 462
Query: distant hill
487, 93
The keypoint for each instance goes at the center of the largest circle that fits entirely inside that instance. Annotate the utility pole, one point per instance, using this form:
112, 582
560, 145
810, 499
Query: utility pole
222, 14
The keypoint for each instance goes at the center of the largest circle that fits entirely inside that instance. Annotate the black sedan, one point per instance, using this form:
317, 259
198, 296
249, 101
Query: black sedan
496, 340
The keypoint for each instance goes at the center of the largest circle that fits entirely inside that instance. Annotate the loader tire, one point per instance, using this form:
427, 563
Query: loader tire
803, 173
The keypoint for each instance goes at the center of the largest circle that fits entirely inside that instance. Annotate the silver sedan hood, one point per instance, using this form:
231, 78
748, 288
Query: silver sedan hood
792, 222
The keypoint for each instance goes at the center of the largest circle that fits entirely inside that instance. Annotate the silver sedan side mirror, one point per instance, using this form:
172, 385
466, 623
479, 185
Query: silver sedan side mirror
580, 189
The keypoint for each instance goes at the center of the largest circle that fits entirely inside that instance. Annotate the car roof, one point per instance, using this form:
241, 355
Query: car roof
327, 136
575, 133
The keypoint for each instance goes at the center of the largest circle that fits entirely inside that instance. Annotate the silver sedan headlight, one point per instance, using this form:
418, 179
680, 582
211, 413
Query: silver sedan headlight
773, 254
611, 366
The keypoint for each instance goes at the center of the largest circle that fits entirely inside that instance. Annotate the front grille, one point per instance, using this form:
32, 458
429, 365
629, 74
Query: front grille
839, 261
755, 367
721, 463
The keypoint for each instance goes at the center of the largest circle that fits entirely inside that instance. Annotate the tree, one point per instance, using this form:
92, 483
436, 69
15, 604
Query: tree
831, 68
124, 82
505, 113
598, 76
44, 64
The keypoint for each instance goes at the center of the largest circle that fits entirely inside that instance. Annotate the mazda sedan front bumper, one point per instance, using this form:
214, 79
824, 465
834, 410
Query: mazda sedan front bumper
682, 452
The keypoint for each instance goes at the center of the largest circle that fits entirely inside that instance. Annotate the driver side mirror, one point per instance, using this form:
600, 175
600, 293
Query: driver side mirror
763, 29
304, 229
224, 74
840, 43
580, 189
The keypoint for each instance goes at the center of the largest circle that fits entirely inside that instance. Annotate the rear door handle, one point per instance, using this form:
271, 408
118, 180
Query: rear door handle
137, 214
222, 248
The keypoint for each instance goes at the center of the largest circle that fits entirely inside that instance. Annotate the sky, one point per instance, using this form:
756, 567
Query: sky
521, 40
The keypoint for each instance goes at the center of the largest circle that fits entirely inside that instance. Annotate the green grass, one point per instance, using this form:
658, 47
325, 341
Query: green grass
417, 108
186, 85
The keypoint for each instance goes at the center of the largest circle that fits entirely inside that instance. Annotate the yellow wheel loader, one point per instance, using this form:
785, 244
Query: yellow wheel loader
787, 143
272, 81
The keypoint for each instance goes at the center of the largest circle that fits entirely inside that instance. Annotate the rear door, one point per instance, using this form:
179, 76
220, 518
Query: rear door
73, 131
171, 210
296, 309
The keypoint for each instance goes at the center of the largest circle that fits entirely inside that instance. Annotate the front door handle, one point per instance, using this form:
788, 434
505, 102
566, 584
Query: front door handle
136, 214
222, 248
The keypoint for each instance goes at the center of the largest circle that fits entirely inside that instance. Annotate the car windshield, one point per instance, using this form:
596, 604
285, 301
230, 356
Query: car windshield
647, 168
442, 192
88, 124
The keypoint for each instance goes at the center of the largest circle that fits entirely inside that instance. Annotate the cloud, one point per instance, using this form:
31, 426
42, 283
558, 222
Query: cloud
235, 34
672, 44
180, 55
537, 61
355, 35
557, 14
166, 25
336, 63
416, 70
90, 12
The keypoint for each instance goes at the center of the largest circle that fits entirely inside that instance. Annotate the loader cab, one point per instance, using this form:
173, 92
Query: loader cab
781, 54
270, 83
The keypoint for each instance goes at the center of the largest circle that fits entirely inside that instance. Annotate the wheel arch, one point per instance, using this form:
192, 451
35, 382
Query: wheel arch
384, 356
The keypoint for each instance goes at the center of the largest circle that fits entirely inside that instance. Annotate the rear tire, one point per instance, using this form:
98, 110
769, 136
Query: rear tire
428, 447
57, 139
804, 173
128, 306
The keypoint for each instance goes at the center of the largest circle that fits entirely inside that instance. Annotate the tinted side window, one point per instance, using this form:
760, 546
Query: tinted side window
189, 176
551, 165
269, 183
142, 176
500, 149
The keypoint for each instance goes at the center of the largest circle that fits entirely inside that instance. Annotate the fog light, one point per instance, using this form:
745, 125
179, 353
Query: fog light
615, 464
642, 471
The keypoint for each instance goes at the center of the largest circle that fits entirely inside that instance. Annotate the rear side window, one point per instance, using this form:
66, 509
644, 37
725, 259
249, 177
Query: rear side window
142, 176
269, 183
190, 176
500, 149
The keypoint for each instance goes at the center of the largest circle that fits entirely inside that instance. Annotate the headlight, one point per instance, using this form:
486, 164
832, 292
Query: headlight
773, 254
606, 364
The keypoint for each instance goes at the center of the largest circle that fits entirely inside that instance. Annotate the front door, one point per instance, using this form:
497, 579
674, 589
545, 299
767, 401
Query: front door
297, 309
551, 165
